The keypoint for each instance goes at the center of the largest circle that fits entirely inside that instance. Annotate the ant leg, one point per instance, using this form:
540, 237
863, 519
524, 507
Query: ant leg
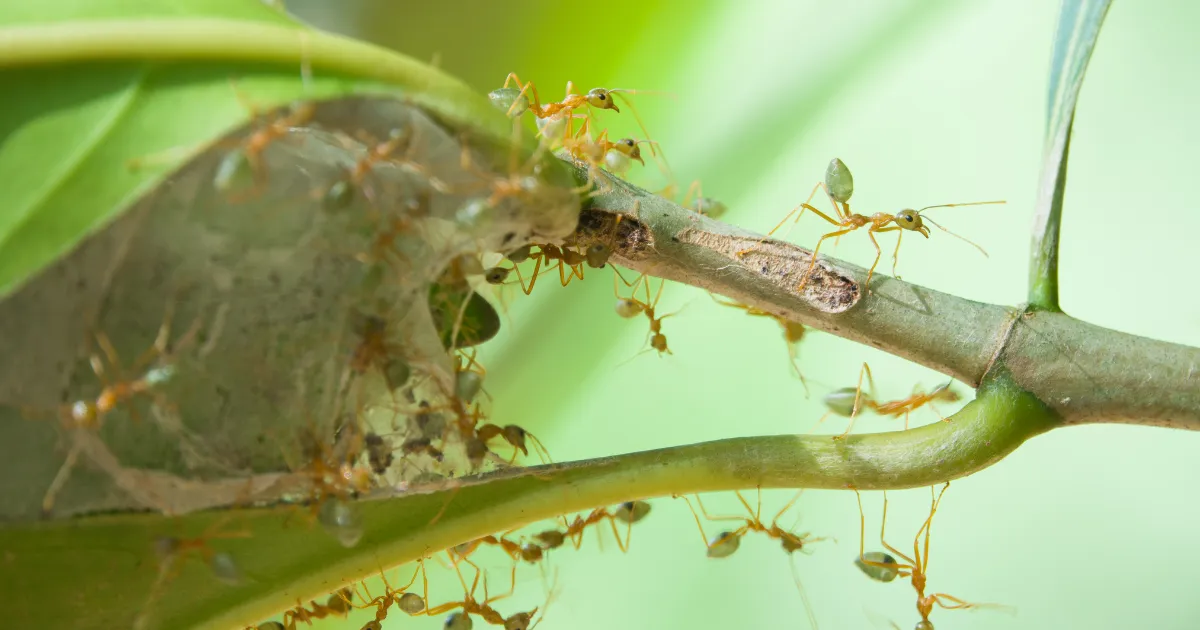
110, 353
623, 546
60, 479
955, 604
862, 535
929, 523
896, 254
813, 264
536, 266
703, 536
511, 589
536, 108
935, 410
878, 252
693, 192
802, 207
722, 518
807, 205
754, 513
858, 397
818, 422
882, 533
787, 507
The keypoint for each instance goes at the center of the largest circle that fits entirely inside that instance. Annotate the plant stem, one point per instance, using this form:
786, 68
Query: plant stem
1084, 372
949, 334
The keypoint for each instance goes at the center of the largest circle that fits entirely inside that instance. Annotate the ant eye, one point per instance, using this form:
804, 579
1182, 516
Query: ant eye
602, 97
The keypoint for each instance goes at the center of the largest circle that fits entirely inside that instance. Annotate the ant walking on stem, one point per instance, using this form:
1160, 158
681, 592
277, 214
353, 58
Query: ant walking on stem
849, 401
914, 567
838, 187
173, 551
471, 606
629, 307
409, 603
727, 542
555, 118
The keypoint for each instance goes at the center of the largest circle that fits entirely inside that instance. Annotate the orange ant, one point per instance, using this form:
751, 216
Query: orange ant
477, 436
695, 201
838, 187
617, 156
471, 606
88, 414
337, 605
333, 478
918, 399
468, 376
374, 350
275, 126
410, 603
726, 543
915, 567
849, 401
565, 257
599, 98
528, 552
629, 513
793, 332
632, 307
517, 437
173, 551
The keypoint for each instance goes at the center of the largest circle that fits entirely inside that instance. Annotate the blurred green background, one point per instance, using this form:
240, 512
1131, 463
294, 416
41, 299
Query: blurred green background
928, 102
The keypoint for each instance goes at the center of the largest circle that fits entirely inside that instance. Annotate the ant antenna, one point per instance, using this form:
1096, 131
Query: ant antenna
957, 236
956, 205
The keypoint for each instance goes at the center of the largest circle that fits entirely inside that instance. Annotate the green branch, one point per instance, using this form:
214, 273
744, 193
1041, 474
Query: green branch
1084, 372
284, 561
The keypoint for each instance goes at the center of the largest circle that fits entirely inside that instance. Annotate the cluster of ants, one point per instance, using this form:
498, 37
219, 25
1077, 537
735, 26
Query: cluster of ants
881, 566
355, 461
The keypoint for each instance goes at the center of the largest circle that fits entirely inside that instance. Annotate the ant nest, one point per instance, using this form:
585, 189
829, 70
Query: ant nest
289, 317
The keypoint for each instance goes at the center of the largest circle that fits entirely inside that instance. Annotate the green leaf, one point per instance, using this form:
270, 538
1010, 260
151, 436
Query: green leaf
479, 322
91, 87
1078, 27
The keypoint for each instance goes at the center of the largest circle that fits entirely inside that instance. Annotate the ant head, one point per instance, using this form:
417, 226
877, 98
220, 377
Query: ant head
514, 435
600, 98
631, 148
519, 621
598, 254
909, 219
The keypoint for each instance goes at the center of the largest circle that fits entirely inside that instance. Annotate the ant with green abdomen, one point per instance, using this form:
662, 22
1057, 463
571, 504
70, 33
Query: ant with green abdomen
838, 187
